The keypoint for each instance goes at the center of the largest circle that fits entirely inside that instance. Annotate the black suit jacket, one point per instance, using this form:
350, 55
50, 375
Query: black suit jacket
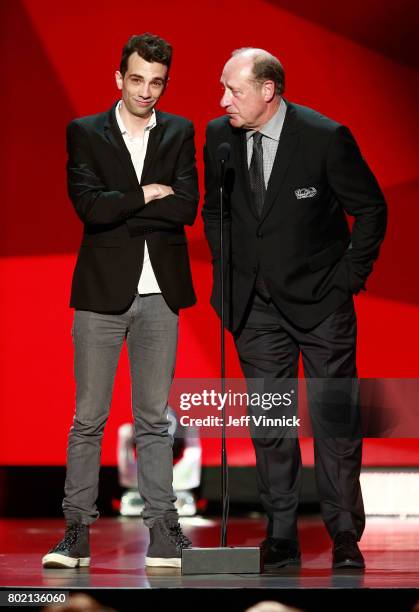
107, 197
309, 259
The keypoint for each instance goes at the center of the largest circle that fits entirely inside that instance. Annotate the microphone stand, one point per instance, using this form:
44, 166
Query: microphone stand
224, 467
225, 559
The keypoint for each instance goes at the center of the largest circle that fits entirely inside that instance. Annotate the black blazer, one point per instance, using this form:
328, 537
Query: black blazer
310, 260
107, 197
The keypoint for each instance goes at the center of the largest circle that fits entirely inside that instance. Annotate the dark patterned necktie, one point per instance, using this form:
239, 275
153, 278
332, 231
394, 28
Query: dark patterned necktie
257, 181
257, 185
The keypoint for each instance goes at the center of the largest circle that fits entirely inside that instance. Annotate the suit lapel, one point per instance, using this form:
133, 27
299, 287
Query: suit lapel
154, 140
113, 134
286, 149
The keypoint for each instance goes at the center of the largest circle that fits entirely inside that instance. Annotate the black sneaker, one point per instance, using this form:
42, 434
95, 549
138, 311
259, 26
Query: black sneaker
279, 552
166, 543
346, 552
72, 551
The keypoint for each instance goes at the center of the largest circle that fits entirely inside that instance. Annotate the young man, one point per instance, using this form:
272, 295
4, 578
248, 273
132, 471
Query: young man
133, 183
291, 177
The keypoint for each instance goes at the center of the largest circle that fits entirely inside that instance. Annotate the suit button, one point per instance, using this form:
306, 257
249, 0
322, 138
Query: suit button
259, 234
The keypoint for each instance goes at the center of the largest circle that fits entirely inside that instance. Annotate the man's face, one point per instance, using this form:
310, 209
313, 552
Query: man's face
243, 100
142, 85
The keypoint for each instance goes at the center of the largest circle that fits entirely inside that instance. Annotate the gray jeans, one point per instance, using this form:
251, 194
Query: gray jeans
150, 329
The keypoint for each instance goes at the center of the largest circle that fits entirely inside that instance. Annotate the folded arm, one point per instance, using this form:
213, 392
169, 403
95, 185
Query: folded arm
179, 207
161, 206
93, 202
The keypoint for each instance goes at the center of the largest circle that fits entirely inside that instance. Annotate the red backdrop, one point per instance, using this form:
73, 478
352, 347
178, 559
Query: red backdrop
58, 61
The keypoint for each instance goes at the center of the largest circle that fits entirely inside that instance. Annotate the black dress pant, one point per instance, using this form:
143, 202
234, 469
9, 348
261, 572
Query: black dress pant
269, 347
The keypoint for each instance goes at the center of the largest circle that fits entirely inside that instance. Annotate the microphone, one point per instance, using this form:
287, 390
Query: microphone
223, 152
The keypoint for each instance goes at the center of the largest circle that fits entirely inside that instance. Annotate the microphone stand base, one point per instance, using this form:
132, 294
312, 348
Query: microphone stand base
222, 560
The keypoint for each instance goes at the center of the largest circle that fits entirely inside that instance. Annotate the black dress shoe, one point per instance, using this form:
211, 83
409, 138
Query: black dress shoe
278, 552
346, 552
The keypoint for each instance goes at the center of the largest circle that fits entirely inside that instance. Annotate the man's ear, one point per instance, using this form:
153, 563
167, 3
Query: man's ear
119, 79
268, 90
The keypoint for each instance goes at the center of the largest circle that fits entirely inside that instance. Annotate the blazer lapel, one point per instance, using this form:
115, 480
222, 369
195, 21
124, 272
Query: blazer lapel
153, 144
286, 148
113, 134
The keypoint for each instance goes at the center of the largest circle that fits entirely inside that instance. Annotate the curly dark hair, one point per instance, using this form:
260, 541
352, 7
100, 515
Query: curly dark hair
150, 47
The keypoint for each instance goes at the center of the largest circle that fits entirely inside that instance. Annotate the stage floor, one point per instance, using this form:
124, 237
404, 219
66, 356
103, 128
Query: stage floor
390, 548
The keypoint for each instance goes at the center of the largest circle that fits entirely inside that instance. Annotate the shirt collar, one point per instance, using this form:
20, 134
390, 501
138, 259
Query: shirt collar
273, 128
151, 122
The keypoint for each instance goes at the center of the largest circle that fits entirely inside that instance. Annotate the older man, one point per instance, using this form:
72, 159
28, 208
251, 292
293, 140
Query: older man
293, 266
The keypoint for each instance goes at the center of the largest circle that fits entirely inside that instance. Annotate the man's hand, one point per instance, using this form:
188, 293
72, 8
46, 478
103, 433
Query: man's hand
155, 191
